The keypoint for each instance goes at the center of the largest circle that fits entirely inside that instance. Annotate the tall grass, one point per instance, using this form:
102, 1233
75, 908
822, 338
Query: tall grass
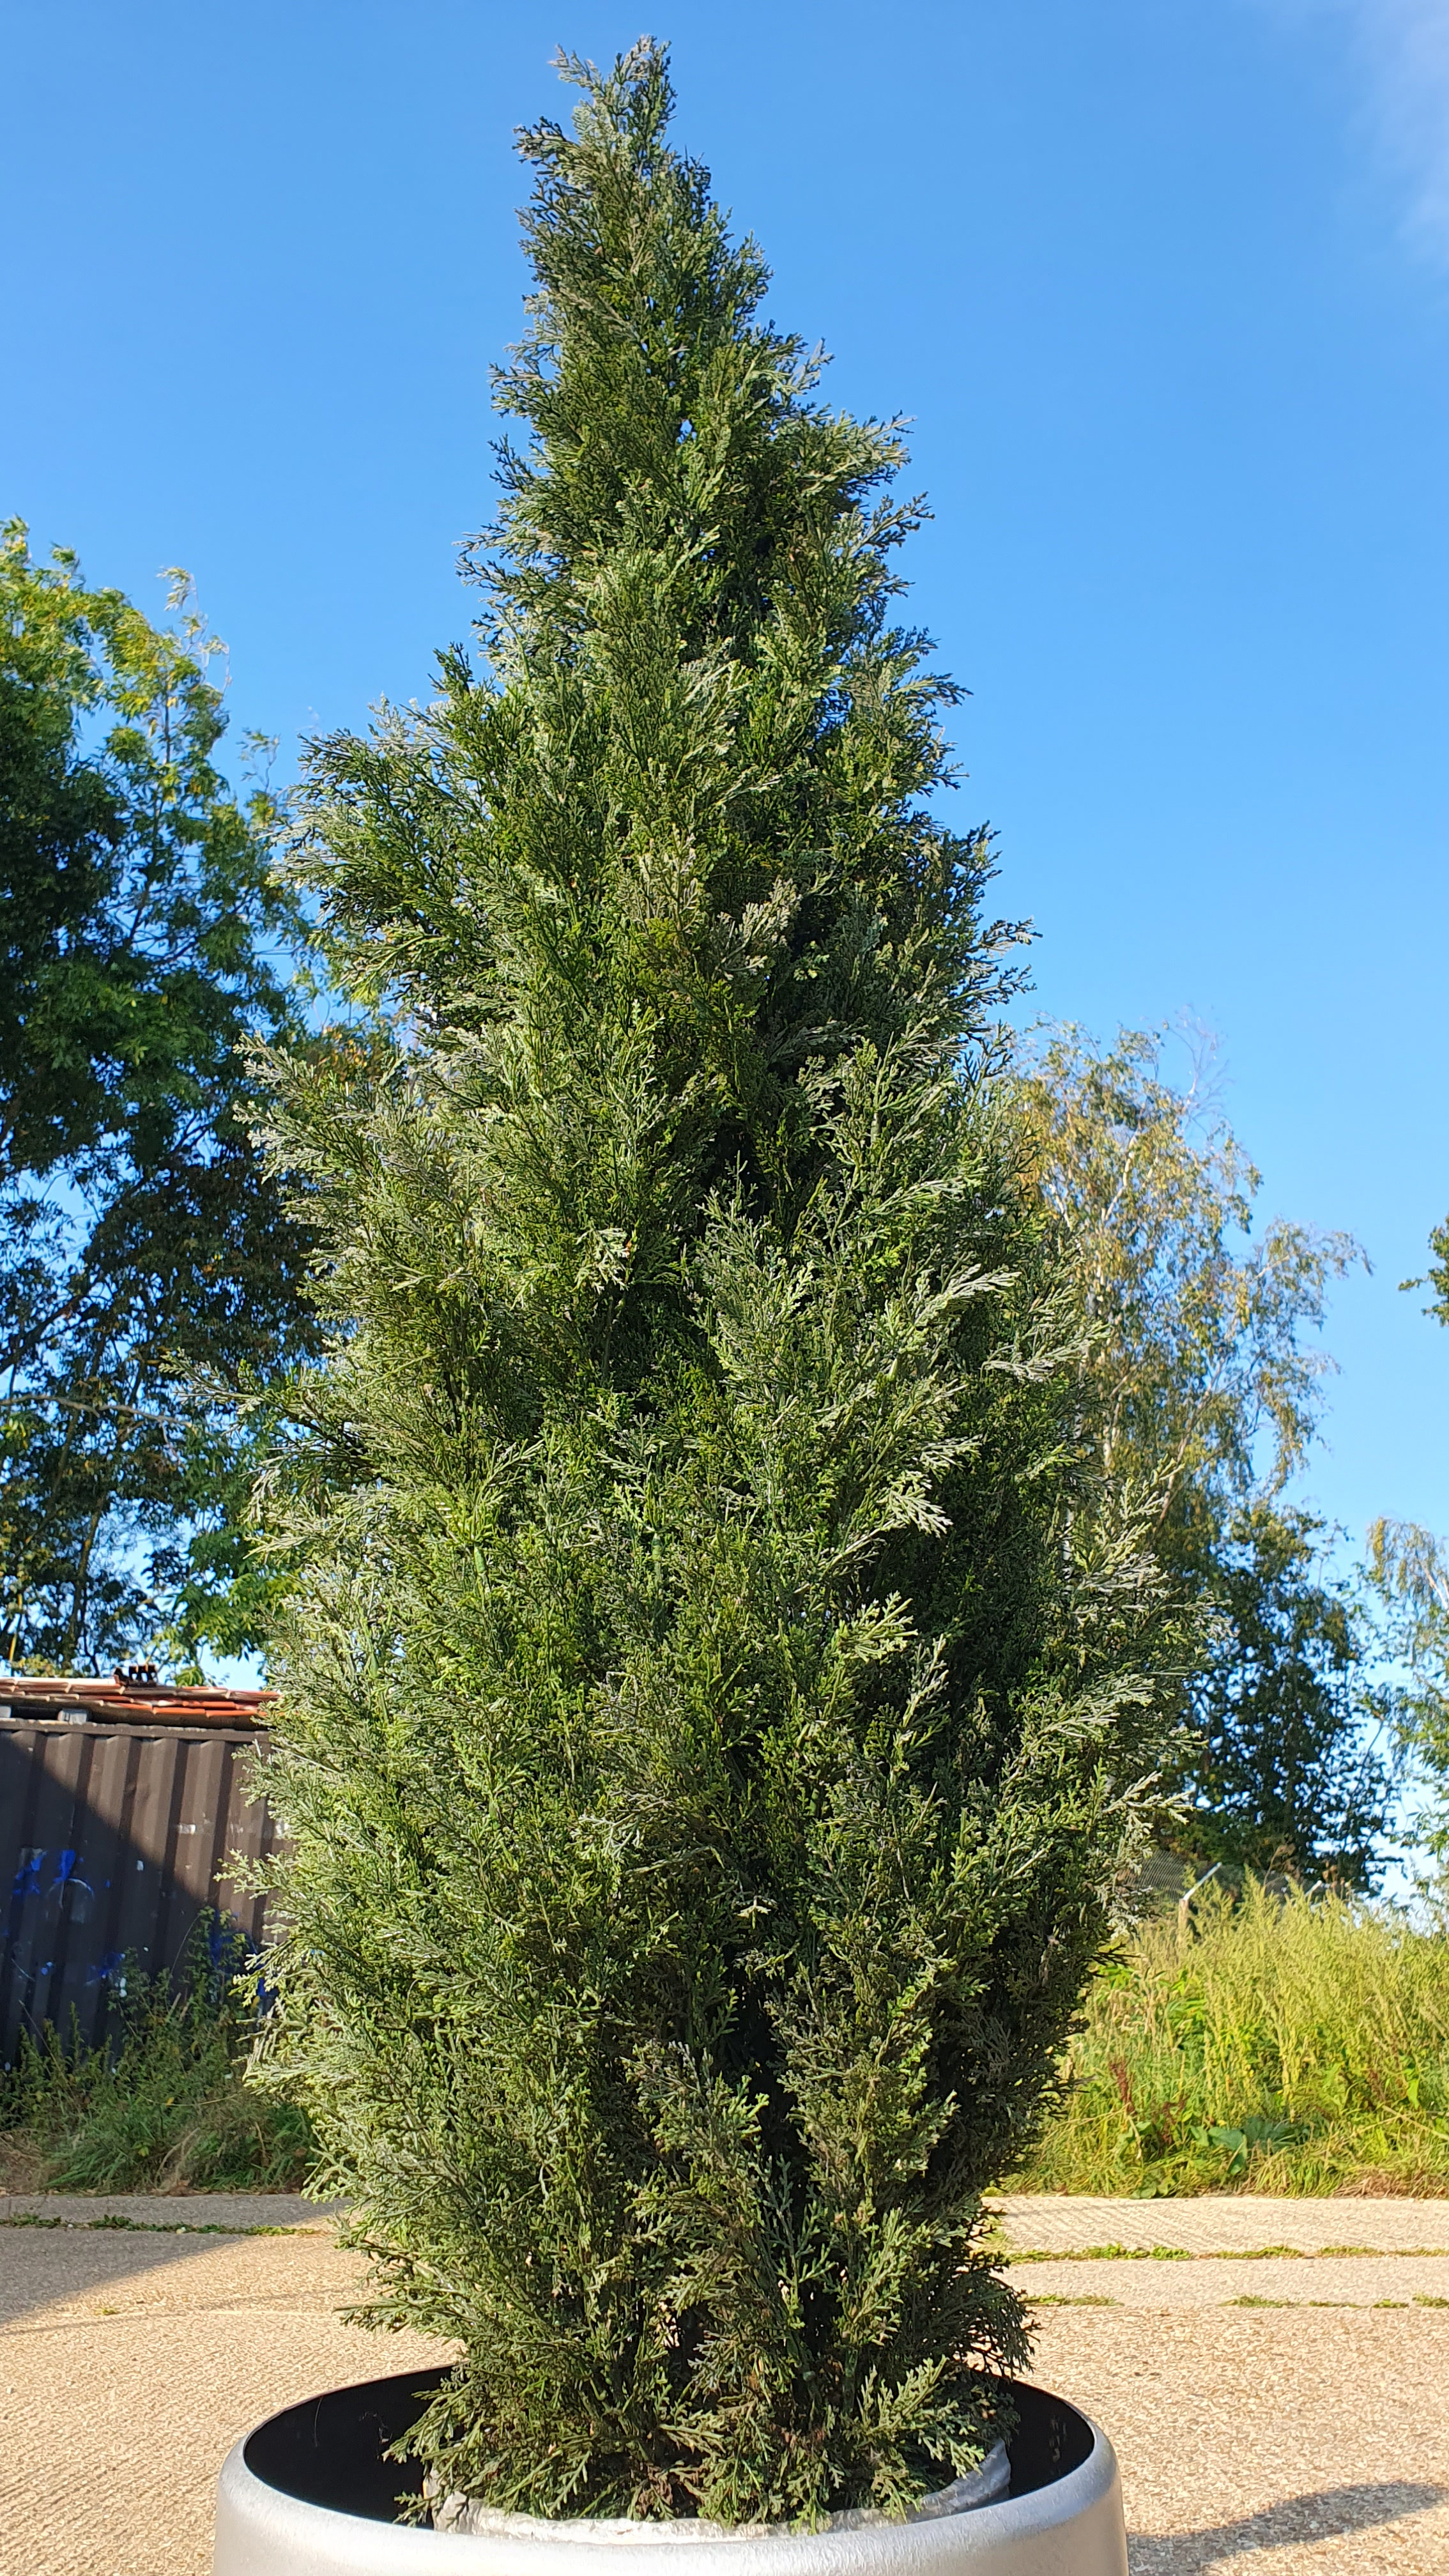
1263, 2045
162, 2106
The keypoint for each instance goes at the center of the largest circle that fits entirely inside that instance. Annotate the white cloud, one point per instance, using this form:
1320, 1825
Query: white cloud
1404, 48
1400, 51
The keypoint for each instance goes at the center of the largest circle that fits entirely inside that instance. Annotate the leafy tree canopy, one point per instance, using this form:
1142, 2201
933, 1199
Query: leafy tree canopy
1409, 1566
1409, 1570
140, 1239
1437, 1276
1285, 1771
1199, 1387
1200, 1391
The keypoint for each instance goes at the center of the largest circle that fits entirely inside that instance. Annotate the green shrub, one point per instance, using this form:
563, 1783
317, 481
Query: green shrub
162, 2106
712, 1724
1268, 2044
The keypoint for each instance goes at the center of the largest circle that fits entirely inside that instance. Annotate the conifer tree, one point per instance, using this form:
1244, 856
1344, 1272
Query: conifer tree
707, 1753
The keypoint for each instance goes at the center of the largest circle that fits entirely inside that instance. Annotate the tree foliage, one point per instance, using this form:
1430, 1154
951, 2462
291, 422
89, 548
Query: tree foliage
1437, 1276
1409, 1569
140, 1238
1200, 1392
716, 1697
1285, 1769
1198, 1388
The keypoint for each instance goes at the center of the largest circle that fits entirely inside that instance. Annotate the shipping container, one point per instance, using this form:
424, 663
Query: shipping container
123, 1813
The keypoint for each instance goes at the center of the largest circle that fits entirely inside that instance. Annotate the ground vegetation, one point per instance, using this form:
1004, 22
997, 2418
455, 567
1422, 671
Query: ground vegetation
1262, 2041
161, 2103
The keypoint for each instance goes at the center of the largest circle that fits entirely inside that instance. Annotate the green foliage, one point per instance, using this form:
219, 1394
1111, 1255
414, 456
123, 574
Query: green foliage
1201, 1396
714, 1719
135, 886
1284, 1772
1265, 2045
1198, 1389
1408, 1569
1437, 1276
141, 1242
162, 2105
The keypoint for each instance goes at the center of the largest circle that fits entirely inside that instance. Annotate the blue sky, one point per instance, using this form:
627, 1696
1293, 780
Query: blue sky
1165, 287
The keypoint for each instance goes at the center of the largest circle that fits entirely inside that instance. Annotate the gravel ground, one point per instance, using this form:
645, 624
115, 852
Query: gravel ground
1251, 2438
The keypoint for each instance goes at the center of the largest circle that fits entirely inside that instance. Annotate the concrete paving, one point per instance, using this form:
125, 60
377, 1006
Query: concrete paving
1222, 2223
131, 2362
132, 2358
235, 2211
1294, 2281
1260, 2442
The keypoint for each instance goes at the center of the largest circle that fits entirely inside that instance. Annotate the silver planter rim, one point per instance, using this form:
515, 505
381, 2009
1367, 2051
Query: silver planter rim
308, 2494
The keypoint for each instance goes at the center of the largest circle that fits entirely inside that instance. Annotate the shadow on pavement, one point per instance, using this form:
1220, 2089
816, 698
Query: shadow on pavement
41, 2267
1331, 2514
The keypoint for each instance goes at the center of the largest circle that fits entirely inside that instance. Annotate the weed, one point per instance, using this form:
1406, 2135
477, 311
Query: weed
162, 2106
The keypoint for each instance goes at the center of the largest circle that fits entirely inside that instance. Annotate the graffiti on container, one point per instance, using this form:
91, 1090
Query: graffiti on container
68, 1895
119, 1854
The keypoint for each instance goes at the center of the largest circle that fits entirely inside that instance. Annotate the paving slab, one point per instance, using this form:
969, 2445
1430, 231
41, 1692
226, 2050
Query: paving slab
61, 2275
1255, 2442
1249, 2436
1215, 2281
236, 2211
130, 2363
1221, 2223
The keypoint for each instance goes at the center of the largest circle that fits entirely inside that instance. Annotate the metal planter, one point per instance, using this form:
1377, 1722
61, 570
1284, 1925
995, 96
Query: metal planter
310, 2494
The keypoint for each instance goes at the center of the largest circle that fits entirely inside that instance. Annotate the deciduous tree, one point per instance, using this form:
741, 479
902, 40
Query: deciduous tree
1286, 1767
1200, 1392
142, 1245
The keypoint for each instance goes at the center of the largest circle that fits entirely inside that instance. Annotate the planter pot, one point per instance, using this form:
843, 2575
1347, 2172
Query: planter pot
310, 2494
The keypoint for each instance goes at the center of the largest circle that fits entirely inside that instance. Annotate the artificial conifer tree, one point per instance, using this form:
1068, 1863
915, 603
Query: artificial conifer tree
707, 1752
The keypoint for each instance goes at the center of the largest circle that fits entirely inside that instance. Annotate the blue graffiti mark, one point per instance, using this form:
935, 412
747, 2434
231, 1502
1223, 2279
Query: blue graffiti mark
106, 1968
27, 1876
65, 1864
